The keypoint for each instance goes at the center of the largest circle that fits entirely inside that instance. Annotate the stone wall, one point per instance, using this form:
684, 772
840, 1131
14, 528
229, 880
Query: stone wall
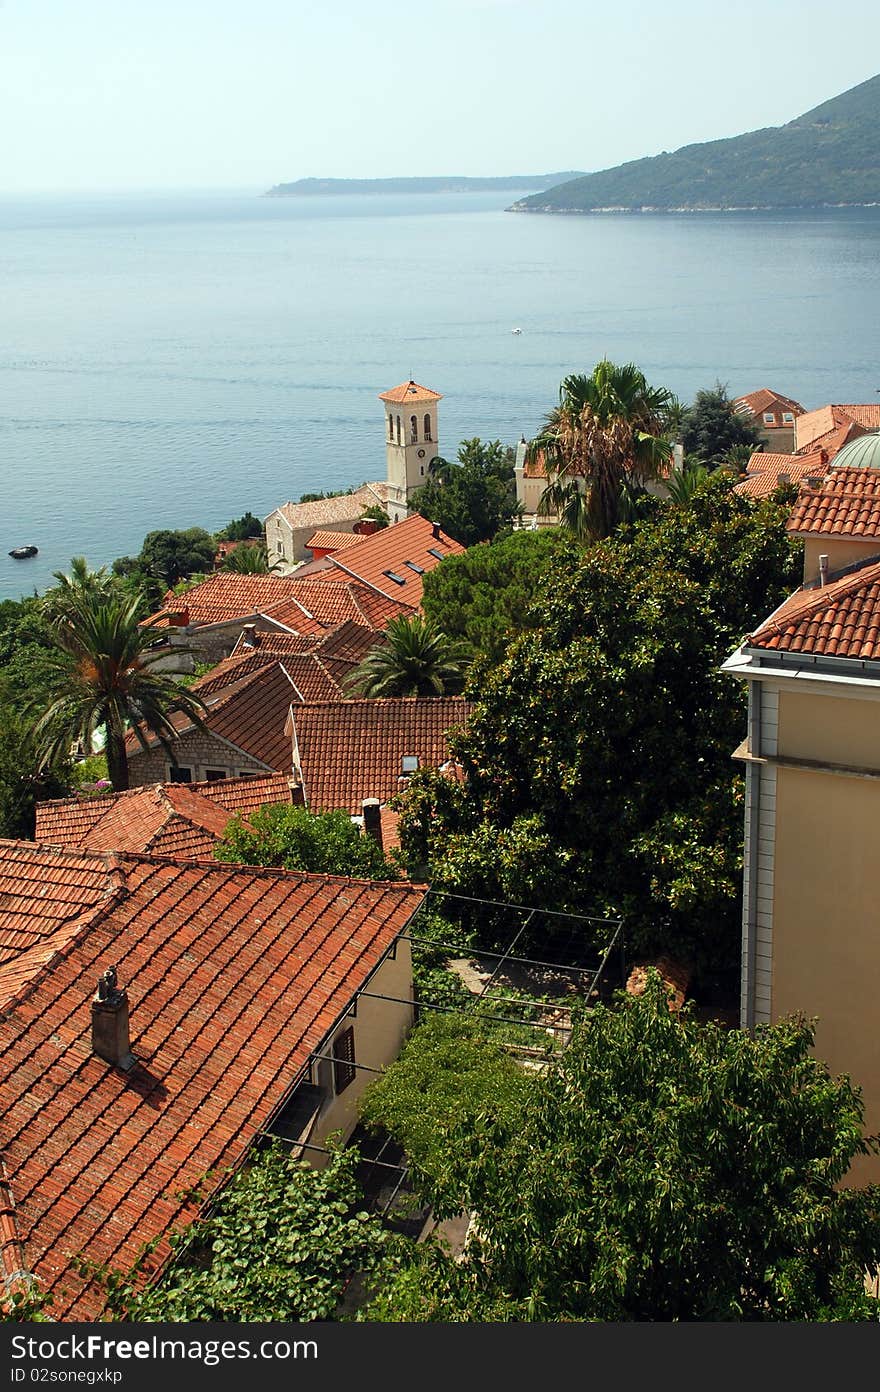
197, 751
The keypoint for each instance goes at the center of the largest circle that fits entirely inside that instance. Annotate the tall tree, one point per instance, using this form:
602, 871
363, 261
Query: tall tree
414, 658
711, 428
293, 838
661, 1169
474, 498
609, 429
107, 679
249, 558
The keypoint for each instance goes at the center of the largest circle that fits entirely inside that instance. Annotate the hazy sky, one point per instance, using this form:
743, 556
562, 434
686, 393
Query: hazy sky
113, 94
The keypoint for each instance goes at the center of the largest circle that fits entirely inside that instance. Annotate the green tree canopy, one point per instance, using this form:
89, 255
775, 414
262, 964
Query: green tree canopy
472, 499
413, 658
599, 776
167, 557
23, 779
660, 1170
484, 596
249, 558
241, 528
293, 838
711, 428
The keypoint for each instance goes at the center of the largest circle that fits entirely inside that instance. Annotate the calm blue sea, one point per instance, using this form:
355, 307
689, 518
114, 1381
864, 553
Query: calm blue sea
172, 360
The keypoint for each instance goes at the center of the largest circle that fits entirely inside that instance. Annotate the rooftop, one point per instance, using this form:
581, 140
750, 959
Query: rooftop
323, 512
394, 560
234, 977
835, 422
302, 605
840, 619
350, 750
764, 399
332, 541
845, 503
763, 471
409, 391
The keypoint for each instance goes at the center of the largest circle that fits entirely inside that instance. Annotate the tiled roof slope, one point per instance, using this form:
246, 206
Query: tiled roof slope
350, 642
332, 541
351, 750
234, 976
841, 619
764, 399
317, 606
183, 820
828, 422
248, 711
38, 915
409, 391
319, 674
226, 596
323, 512
846, 503
405, 550
762, 475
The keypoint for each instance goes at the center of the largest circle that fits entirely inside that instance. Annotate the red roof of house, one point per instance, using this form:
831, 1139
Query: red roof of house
393, 561
345, 507
234, 978
316, 606
351, 750
409, 391
175, 819
846, 503
332, 541
305, 605
762, 475
764, 399
840, 619
833, 426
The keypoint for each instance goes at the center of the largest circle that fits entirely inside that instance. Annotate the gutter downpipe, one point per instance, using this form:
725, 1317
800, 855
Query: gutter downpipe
753, 803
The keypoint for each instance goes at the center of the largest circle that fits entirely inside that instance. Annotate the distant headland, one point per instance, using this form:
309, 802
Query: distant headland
450, 183
825, 158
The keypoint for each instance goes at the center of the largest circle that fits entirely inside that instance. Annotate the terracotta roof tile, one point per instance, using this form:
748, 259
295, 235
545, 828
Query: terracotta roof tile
351, 750
332, 541
762, 475
323, 512
409, 391
234, 977
840, 619
764, 399
182, 820
846, 503
834, 425
394, 560
316, 606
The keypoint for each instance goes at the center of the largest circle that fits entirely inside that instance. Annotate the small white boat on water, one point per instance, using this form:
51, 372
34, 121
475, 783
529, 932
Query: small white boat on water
516, 331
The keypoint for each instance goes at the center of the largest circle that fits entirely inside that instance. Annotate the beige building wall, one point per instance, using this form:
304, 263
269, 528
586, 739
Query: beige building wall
841, 552
198, 751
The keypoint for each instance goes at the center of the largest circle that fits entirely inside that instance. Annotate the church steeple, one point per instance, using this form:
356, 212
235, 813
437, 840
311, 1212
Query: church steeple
411, 441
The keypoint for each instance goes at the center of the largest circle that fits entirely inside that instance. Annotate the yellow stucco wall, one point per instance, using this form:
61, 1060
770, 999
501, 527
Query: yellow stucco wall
826, 916
841, 552
830, 729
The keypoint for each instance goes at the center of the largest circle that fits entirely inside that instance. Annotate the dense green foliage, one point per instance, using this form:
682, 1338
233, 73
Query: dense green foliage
241, 528
413, 658
598, 759
249, 558
23, 778
451, 1074
295, 839
606, 438
826, 156
660, 1170
472, 499
484, 596
280, 1243
375, 513
166, 558
711, 429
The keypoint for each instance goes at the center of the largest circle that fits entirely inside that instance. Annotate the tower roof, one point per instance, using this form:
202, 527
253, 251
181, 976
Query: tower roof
409, 391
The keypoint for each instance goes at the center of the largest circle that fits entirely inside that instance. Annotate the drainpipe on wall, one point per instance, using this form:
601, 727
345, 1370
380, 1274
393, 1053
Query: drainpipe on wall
753, 803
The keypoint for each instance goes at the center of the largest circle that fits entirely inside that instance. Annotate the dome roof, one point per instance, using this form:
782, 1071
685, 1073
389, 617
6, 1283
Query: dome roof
863, 453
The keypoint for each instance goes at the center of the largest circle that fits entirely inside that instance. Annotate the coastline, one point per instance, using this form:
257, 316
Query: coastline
695, 208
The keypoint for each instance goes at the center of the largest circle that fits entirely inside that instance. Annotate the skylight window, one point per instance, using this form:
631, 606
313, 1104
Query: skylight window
392, 575
409, 763
419, 570
432, 551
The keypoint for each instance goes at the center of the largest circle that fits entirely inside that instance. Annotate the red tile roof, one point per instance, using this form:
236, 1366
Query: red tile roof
406, 549
762, 475
316, 606
323, 512
846, 503
831, 426
234, 978
407, 392
351, 750
840, 619
764, 399
177, 819
332, 541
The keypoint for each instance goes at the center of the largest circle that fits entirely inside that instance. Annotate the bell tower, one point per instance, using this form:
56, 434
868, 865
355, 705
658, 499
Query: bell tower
411, 441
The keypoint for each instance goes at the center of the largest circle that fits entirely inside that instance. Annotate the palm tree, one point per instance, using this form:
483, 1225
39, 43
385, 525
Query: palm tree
249, 558
413, 659
80, 583
106, 679
609, 429
685, 482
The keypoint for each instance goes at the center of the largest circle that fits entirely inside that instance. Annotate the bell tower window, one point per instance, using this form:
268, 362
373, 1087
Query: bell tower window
427, 427
390, 427
398, 429
413, 430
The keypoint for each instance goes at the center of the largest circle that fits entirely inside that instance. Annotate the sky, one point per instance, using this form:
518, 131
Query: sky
243, 94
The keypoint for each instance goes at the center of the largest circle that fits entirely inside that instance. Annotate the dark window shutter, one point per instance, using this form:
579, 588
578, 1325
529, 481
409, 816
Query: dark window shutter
343, 1059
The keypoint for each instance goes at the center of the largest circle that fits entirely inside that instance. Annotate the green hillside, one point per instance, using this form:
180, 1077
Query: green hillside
828, 157
449, 183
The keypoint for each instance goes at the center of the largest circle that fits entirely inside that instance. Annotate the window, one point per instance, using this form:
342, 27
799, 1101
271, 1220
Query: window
213, 775
390, 427
769, 418
419, 570
398, 429
343, 1059
392, 575
788, 417
413, 430
409, 763
432, 551
427, 427
179, 773
249, 773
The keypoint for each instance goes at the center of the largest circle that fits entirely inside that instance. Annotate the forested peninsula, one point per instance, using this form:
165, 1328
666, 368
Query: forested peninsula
826, 158
450, 183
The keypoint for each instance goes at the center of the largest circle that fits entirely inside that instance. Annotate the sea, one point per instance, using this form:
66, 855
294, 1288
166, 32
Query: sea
174, 360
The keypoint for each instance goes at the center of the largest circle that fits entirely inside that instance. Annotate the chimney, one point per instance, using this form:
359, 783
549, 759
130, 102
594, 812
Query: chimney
823, 456
297, 797
823, 570
435, 530
372, 820
783, 479
366, 526
177, 618
250, 635
110, 1023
